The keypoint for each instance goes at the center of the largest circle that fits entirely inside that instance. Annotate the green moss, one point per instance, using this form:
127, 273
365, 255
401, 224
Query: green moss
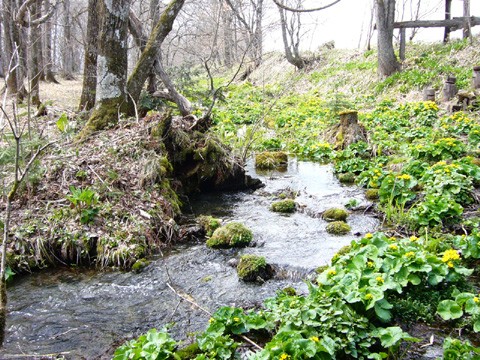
321, 269
209, 224
104, 115
283, 206
271, 160
335, 214
372, 194
231, 235
347, 178
188, 352
139, 265
290, 291
338, 228
344, 250
253, 268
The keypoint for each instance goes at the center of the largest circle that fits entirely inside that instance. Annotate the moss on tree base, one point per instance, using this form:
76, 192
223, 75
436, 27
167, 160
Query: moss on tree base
103, 116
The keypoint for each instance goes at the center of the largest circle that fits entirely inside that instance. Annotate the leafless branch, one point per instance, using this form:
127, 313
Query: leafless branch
280, 4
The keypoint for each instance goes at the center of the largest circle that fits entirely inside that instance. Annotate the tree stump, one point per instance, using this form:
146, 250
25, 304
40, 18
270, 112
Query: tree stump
347, 132
450, 88
429, 94
476, 77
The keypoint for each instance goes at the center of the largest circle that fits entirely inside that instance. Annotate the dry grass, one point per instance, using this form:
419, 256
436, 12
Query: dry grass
64, 96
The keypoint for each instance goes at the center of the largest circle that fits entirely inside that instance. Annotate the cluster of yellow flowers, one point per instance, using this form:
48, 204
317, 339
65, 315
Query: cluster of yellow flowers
450, 256
409, 254
413, 238
284, 356
429, 105
447, 141
393, 247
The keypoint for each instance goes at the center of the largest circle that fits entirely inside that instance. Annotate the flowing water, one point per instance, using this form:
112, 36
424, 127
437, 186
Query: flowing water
81, 314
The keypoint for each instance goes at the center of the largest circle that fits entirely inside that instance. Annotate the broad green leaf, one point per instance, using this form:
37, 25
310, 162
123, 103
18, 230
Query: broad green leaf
62, 122
449, 309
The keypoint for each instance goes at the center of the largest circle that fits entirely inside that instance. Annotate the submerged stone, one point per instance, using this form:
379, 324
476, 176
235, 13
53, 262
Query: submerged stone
372, 194
283, 206
347, 178
338, 228
253, 268
231, 235
335, 214
270, 160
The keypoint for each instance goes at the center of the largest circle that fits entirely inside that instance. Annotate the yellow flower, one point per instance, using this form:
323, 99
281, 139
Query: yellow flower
380, 279
368, 297
476, 299
393, 247
370, 264
450, 264
236, 319
450, 255
368, 236
284, 356
331, 272
314, 339
409, 254
413, 238
211, 320
404, 177
392, 238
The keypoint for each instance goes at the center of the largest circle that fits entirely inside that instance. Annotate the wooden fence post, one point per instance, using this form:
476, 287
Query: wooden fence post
476, 77
450, 89
429, 94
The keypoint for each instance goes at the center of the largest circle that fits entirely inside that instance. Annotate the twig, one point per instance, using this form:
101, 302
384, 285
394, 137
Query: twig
98, 176
251, 342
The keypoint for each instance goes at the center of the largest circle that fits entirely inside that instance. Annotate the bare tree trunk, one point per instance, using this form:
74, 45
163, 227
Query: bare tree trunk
34, 49
291, 46
11, 41
67, 53
2, 60
87, 100
47, 54
387, 61
150, 53
467, 28
111, 96
258, 34
228, 49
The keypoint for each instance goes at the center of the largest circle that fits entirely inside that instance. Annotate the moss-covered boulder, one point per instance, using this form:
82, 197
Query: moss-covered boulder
253, 268
269, 160
231, 235
139, 265
286, 206
372, 194
338, 228
188, 352
209, 224
347, 178
335, 214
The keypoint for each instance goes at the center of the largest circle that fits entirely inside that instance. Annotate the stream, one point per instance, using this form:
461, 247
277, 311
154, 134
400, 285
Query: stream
82, 313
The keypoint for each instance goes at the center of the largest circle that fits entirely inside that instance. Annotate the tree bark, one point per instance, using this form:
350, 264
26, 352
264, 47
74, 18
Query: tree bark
150, 53
67, 54
387, 60
11, 41
87, 99
467, 27
34, 49
291, 48
111, 96
47, 54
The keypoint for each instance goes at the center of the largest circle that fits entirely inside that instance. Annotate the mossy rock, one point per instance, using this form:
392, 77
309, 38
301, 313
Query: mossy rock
344, 250
335, 214
347, 178
188, 352
270, 160
372, 194
139, 265
253, 268
286, 206
231, 235
338, 228
321, 269
209, 224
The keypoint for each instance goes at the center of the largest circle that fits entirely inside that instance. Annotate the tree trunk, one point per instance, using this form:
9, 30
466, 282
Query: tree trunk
258, 34
111, 96
87, 100
67, 54
2, 60
387, 60
448, 16
47, 54
291, 50
34, 47
467, 27
11, 41
149, 54
228, 49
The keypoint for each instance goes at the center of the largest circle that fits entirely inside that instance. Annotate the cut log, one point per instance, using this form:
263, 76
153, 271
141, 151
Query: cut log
476, 77
450, 89
429, 94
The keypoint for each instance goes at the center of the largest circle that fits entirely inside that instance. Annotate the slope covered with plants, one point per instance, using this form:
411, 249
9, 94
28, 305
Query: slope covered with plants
421, 163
